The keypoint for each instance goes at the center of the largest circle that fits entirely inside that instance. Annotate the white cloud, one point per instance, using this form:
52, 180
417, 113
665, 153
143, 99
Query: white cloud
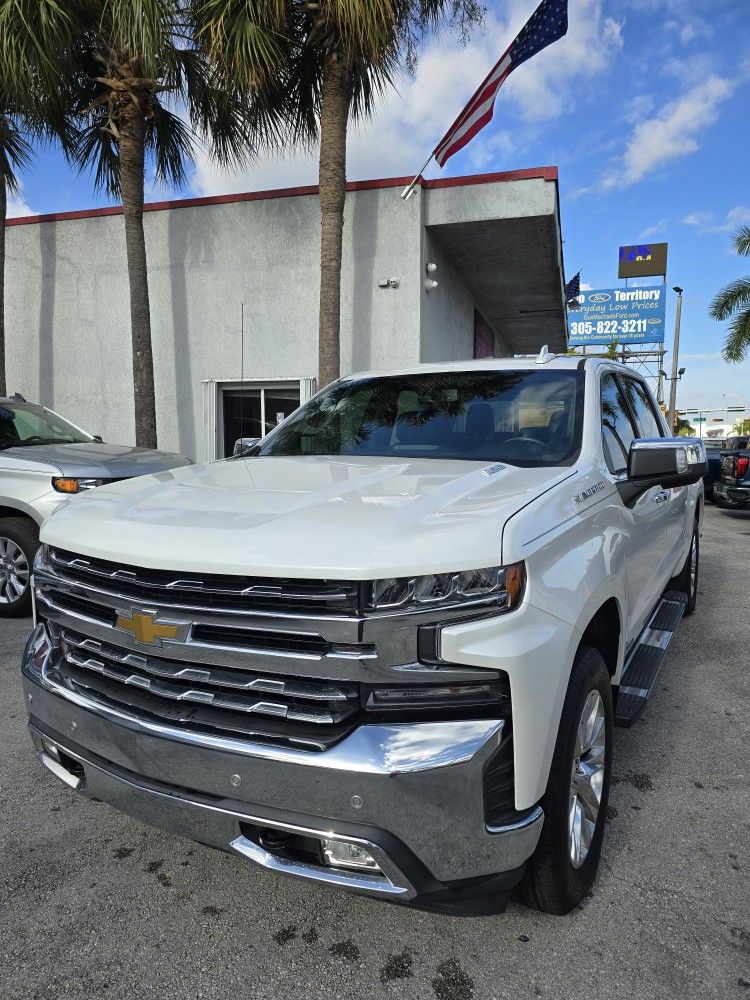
654, 230
17, 206
698, 218
413, 117
737, 216
639, 107
672, 133
586, 287
687, 30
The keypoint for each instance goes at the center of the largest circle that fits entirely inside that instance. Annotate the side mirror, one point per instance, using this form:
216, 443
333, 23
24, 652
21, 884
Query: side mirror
666, 462
98, 438
245, 447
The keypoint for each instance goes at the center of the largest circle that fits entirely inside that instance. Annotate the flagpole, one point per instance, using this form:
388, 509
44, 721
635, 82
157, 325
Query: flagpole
409, 191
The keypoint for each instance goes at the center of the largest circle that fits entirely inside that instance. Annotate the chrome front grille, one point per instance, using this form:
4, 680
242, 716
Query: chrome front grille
274, 660
268, 660
213, 591
233, 701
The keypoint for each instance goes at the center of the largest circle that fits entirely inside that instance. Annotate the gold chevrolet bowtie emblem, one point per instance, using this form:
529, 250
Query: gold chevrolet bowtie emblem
145, 629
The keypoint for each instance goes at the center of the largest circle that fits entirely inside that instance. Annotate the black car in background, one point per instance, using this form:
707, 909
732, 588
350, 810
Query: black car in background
731, 490
714, 448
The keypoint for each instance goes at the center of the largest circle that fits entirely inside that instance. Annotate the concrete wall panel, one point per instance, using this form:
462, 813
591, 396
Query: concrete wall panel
68, 318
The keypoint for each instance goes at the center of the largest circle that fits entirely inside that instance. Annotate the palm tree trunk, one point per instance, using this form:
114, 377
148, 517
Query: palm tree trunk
3, 213
132, 167
336, 97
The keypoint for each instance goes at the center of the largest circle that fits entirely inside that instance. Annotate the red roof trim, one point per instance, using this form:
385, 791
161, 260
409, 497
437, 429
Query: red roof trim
543, 173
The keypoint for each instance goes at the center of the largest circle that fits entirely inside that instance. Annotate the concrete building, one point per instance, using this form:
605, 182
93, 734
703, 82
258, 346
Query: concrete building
495, 240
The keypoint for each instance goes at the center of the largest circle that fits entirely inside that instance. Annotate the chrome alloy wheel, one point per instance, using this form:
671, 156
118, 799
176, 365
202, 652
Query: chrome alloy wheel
587, 778
14, 571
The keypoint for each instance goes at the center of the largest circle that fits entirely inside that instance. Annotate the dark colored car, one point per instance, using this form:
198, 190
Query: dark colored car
714, 448
732, 489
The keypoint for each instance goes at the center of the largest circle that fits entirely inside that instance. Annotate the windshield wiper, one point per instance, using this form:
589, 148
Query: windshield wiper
38, 439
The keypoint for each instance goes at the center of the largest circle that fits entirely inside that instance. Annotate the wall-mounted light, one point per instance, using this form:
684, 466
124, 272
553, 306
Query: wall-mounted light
429, 285
430, 268
388, 283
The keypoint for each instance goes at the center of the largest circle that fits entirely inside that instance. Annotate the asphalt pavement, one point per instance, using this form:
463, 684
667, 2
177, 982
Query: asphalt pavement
92, 904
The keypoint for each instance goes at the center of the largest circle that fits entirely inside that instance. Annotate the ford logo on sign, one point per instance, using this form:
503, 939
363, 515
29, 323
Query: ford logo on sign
599, 297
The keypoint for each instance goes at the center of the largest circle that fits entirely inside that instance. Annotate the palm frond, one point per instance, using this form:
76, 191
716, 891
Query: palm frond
732, 297
250, 38
217, 112
33, 34
741, 241
141, 31
97, 150
170, 143
737, 343
16, 153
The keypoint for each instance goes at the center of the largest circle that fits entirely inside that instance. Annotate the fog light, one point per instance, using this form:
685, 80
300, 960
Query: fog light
50, 749
344, 854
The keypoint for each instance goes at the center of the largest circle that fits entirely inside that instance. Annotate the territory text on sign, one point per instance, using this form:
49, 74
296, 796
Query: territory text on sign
627, 315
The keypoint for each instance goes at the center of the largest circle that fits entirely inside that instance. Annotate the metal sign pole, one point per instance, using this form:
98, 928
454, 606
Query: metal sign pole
675, 360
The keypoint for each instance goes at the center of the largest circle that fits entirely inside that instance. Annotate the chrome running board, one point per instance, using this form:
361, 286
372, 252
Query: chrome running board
644, 661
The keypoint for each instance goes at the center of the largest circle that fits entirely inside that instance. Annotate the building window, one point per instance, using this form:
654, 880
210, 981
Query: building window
254, 410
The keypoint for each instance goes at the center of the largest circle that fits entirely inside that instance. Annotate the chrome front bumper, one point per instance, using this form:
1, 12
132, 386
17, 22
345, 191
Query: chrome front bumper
412, 794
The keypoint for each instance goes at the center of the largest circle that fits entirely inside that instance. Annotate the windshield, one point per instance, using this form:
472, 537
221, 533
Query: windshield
27, 424
526, 418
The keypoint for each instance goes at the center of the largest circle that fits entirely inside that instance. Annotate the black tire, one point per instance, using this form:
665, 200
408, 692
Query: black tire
24, 534
686, 582
551, 883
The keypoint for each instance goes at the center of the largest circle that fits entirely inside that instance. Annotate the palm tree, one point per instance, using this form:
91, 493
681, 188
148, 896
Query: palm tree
142, 95
324, 64
30, 109
15, 154
733, 302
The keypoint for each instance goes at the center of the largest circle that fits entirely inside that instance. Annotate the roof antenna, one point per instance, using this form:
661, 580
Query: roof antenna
544, 356
242, 372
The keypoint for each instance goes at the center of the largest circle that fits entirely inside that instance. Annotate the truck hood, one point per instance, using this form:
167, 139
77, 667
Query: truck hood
92, 460
358, 519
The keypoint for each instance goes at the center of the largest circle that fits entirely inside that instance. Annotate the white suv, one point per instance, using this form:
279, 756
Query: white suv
386, 650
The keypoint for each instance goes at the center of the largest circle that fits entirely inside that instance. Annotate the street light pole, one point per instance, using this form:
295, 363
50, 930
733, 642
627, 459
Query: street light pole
675, 361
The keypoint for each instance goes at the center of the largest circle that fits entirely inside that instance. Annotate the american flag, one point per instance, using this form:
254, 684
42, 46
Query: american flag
573, 288
548, 23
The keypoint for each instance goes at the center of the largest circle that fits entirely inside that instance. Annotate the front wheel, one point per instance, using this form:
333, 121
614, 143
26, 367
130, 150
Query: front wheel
565, 863
19, 540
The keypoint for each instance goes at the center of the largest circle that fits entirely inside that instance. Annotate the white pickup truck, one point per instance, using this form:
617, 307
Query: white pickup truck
385, 650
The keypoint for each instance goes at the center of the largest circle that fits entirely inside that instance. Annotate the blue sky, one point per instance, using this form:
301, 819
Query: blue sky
645, 108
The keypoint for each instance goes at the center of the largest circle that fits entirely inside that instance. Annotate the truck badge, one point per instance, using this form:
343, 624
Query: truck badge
588, 493
145, 629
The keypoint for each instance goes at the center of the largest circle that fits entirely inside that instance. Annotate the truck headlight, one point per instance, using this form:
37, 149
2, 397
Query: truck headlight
500, 585
68, 484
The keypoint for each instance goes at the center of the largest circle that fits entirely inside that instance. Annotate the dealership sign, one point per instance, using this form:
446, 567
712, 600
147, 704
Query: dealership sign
627, 315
